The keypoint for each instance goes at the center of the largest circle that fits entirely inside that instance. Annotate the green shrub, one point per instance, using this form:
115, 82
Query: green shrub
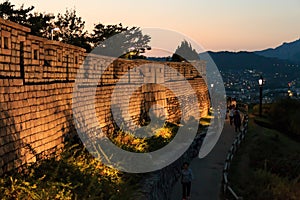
77, 175
265, 185
161, 136
285, 116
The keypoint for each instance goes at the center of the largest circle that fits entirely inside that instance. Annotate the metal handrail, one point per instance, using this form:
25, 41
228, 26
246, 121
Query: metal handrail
233, 149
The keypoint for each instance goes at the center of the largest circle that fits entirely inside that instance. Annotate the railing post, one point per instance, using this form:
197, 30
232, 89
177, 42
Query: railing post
233, 149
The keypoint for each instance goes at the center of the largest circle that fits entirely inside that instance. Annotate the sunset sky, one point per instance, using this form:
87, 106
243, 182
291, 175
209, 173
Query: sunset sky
214, 24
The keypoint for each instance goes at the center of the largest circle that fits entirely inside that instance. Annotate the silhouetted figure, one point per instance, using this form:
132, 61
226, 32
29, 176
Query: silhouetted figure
186, 181
237, 121
231, 114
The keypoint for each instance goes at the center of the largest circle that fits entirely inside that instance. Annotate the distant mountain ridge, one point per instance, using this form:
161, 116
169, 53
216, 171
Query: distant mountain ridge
280, 58
283, 58
286, 51
226, 60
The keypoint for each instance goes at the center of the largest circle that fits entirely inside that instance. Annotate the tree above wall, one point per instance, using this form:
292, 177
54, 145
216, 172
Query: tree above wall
119, 41
71, 30
39, 23
185, 52
20, 15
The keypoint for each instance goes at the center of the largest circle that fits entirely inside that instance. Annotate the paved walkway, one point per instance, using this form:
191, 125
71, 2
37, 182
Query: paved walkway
208, 171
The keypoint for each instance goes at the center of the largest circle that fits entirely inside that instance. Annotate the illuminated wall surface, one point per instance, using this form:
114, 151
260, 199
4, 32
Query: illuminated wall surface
37, 77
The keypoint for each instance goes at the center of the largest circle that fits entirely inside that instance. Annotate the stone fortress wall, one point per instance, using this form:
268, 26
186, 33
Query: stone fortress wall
37, 78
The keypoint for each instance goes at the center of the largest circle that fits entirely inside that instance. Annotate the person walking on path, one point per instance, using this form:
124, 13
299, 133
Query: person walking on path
237, 121
186, 181
231, 114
